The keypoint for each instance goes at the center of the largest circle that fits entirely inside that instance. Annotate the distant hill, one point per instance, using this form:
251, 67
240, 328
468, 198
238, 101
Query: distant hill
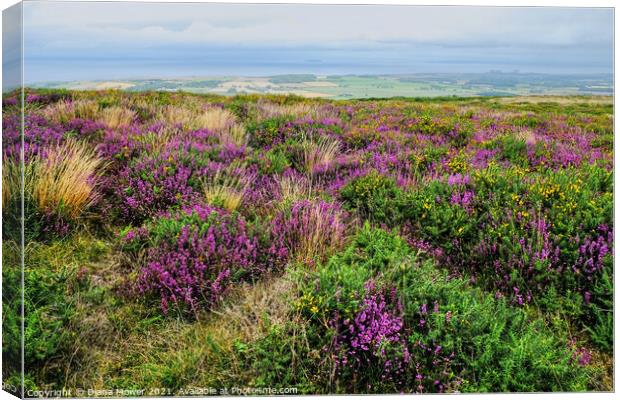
494, 83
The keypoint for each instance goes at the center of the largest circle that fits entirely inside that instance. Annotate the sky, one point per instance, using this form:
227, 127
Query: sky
11, 47
87, 41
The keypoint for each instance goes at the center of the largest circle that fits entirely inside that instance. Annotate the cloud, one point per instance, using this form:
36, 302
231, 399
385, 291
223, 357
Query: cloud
74, 25
187, 32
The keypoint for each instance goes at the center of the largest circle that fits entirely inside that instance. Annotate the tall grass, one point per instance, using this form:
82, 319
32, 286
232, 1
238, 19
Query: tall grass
319, 152
115, 117
64, 181
11, 180
291, 190
226, 188
236, 135
86, 109
67, 110
266, 110
311, 230
157, 140
214, 119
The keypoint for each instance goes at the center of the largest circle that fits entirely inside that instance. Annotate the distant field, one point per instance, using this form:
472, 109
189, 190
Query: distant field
369, 86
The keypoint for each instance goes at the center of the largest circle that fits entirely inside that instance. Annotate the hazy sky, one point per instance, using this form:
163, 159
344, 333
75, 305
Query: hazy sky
65, 41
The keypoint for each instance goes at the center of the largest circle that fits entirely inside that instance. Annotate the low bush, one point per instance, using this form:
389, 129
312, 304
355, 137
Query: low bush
394, 324
193, 255
373, 196
171, 178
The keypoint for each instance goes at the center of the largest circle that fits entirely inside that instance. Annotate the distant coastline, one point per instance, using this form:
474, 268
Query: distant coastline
493, 83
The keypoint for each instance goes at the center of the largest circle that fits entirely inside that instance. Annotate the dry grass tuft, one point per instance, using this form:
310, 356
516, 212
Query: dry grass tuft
319, 152
216, 119
65, 180
86, 109
292, 189
323, 234
235, 135
227, 188
157, 140
527, 136
11, 180
64, 111
267, 110
115, 117
174, 115
259, 306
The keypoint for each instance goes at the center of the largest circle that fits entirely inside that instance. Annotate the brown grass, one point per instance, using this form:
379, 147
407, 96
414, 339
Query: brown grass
65, 180
197, 353
11, 180
298, 110
226, 188
214, 119
86, 109
319, 152
256, 307
321, 237
115, 117
293, 189
157, 140
173, 115
66, 110
235, 135
527, 136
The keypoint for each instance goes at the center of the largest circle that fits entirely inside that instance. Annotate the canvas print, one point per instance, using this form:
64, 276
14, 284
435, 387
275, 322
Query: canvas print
293, 199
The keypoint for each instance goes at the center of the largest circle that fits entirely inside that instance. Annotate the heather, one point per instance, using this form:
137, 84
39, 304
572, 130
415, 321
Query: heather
359, 246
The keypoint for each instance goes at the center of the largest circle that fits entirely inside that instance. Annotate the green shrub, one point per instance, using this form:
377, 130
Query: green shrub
373, 197
275, 161
266, 132
288, 356
496, 347
434, 217
456, 334
428, 156
514, 149
54, 287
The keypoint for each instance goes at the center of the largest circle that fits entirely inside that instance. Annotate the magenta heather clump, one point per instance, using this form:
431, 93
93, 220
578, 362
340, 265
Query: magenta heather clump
373, 340
194, 255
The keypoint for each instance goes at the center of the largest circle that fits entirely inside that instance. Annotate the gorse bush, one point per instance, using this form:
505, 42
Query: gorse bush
492, 357
398, 324
542, 244
267, 132
372, 196
442, 213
